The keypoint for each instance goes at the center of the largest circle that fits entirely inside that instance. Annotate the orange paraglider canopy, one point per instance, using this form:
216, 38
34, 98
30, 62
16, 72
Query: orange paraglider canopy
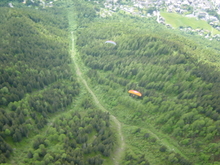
134, 92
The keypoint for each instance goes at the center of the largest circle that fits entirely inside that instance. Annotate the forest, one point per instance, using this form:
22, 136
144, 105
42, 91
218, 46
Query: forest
180, 89
43, 118
36, 79
48, 117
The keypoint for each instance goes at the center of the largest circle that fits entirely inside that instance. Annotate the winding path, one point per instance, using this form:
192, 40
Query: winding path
119, 151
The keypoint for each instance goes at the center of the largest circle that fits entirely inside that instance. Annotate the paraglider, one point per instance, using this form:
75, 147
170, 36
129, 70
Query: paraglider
134, 92
111, 42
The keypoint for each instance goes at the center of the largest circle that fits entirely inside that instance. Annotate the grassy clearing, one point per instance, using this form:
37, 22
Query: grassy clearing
136, 142
80, 69
177, 20
116, 124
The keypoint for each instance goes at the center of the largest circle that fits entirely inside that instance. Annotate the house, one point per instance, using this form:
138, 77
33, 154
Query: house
190, 1
202, 15
213, 19
177, 10
185, 3
170, 8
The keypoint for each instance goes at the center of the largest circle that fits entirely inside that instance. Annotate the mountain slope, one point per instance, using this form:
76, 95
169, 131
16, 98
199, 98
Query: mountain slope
36, 80
180, 90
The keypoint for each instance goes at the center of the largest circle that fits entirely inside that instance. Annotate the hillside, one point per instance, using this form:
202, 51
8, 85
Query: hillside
179, 107
64, 91
35, 74
45, 114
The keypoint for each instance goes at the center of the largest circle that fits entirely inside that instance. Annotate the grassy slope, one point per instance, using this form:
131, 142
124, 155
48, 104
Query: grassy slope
115, 123
177, 20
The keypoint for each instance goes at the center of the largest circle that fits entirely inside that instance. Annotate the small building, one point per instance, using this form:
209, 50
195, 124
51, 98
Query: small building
213, 19
202, 15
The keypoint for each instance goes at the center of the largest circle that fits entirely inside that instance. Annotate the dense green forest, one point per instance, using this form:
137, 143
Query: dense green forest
48, 117
75, 139
36, 79
180, 88
43, 119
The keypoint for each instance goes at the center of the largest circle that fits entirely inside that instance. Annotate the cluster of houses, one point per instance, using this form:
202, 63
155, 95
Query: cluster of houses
189, 8
43, 3
206, 33
199, 9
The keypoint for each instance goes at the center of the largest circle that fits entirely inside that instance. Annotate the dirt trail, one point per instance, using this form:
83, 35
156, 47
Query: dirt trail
121, 144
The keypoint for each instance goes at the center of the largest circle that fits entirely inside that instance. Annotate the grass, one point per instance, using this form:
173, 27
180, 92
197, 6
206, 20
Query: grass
177, 20
124, 114
138, 145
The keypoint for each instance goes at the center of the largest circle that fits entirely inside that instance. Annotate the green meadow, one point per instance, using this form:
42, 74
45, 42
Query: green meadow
177, 20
